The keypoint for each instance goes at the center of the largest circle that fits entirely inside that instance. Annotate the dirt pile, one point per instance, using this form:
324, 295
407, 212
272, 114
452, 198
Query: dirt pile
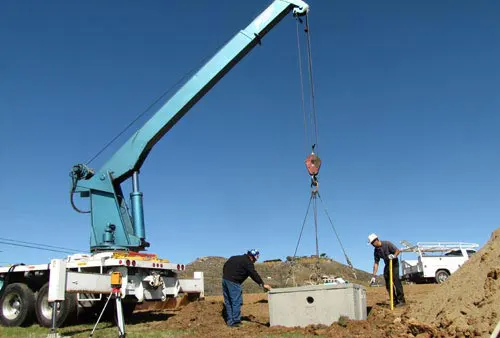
468, 303
198, 314
205, 319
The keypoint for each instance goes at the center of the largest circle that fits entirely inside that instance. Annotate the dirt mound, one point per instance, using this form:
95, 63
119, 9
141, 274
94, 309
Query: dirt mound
468, 303
205, 319
198, 314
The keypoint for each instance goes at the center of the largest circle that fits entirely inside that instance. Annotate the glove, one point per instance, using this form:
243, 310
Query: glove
372, 281
391, 257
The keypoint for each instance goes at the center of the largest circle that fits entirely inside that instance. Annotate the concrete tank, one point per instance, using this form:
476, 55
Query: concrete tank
316, 304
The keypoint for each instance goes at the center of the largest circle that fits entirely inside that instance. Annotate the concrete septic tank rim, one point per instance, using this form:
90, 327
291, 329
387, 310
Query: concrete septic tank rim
320, 287
316, 304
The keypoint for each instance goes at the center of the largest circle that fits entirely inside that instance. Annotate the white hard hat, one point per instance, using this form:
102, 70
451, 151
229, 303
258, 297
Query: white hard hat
372, 237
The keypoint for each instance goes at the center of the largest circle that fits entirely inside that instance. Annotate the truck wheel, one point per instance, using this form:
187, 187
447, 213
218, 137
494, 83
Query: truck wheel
17, 305
110, 313
127, 308
442, 276
66, 310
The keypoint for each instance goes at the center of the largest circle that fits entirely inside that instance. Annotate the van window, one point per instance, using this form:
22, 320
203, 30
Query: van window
454, 253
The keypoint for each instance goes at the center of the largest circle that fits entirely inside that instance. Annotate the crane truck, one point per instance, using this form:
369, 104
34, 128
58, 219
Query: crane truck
118, 237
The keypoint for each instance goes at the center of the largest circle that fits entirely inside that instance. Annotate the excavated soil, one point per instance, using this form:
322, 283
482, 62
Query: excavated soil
468, 303
204, 319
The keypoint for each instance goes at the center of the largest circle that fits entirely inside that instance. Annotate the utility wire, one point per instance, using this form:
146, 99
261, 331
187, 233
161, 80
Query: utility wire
35, 247
46, 246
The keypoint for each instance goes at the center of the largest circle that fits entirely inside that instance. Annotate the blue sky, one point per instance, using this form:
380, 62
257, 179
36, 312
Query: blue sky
406, 97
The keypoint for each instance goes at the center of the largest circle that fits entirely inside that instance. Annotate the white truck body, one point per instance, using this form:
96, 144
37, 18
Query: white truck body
436, 261
145, 277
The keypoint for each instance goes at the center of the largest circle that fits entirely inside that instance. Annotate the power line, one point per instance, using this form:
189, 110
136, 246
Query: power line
47, 247
34, 247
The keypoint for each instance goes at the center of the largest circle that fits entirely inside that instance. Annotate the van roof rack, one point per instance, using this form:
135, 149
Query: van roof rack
436, 246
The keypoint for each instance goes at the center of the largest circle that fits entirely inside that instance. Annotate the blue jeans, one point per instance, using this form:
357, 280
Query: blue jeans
233, 300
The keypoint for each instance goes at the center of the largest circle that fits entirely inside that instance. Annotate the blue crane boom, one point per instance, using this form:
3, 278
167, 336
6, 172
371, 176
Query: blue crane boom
112, 226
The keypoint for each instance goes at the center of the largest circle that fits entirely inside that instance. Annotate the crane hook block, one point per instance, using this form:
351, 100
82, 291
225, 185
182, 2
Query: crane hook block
313, 163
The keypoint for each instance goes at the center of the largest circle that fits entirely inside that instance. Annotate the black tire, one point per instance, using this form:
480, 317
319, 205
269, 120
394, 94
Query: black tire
192, 297
442, 276
66, 311
110, 314
17, 305
128, 309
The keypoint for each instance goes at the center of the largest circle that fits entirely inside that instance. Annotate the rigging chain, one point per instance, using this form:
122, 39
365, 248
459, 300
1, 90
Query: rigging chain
338, 238
312, 200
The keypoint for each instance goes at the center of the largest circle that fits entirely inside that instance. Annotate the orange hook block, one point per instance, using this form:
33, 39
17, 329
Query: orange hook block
313, 163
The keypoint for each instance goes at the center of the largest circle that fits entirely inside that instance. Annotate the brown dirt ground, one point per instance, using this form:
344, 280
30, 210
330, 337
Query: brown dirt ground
466, 305
204, 318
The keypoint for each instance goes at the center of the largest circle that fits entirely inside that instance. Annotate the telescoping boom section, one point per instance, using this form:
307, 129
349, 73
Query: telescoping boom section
112, 225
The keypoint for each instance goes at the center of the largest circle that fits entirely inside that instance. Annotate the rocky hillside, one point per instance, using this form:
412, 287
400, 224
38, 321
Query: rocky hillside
275, 273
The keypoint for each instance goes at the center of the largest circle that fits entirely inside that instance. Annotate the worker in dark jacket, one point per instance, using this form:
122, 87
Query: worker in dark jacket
236, 270
388, 251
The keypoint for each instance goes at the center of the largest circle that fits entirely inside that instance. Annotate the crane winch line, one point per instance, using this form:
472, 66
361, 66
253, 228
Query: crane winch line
312, 161
149, 107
